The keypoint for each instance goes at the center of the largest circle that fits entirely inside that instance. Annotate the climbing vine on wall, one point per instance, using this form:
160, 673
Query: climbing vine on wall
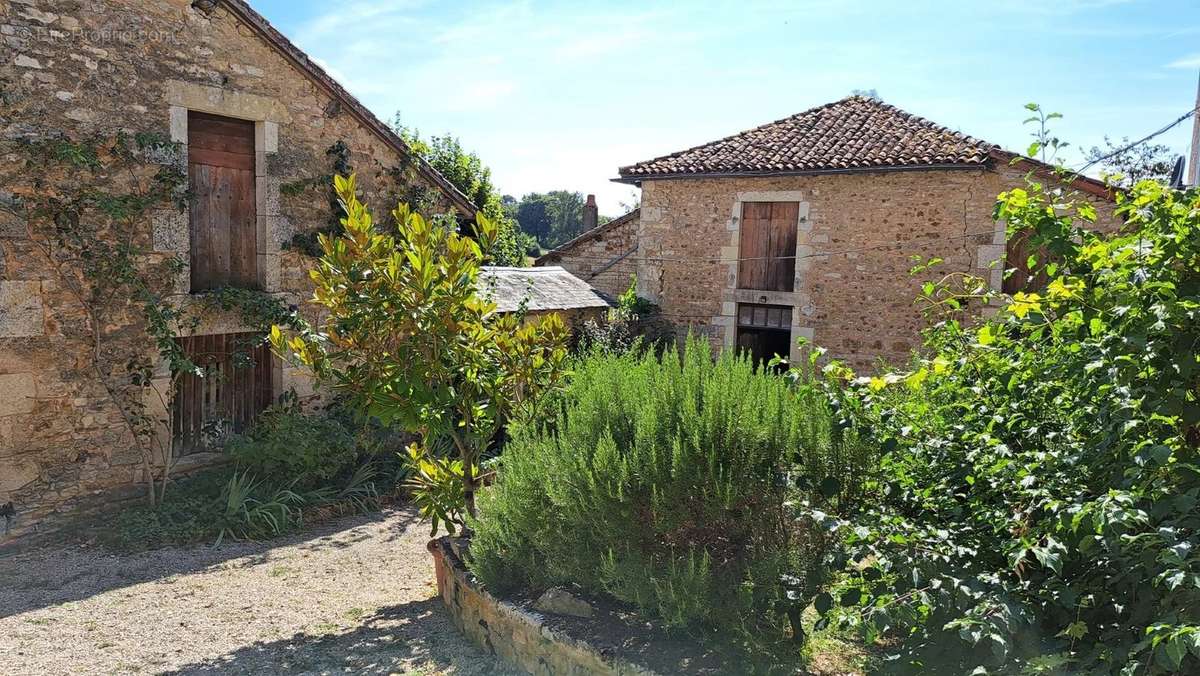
88, 206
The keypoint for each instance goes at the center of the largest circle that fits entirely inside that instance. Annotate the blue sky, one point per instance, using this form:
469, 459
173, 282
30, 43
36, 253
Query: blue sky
559, 94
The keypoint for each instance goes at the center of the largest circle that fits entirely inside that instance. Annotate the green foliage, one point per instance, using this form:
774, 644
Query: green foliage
671, 484
621, 329
1152, 161
1039, 485
407, 340
187, 516
437, 485
255, 308
630, 304
232, 503
552, 217
286, 445
87, 208
474, 179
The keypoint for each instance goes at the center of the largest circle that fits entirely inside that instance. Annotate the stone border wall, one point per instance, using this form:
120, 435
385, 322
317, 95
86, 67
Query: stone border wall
515, 635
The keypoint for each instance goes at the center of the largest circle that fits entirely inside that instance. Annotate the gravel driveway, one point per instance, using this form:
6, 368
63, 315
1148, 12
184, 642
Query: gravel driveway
352, 596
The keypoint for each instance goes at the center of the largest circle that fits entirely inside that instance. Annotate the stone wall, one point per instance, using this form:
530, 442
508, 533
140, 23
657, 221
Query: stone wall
88, 69
605, 257
857, 233
514, 634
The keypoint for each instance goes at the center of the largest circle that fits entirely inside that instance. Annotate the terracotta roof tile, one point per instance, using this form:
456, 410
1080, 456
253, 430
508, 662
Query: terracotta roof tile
854, 133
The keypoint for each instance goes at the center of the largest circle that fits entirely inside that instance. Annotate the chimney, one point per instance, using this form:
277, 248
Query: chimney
590, 214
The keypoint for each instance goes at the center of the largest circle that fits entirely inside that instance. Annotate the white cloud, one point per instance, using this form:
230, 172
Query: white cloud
1189, 62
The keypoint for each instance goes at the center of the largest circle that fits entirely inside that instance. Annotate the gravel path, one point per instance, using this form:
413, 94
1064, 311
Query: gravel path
353, 596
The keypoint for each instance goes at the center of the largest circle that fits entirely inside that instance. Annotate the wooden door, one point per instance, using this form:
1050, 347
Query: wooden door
235, 387
767, 246
224, 239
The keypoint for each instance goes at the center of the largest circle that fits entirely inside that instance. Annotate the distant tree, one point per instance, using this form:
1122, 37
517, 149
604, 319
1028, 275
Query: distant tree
551, 217
1147, 160
566, 214
868, 93
533, 213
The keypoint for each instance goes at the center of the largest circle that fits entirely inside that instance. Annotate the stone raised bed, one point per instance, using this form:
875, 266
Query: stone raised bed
610, 642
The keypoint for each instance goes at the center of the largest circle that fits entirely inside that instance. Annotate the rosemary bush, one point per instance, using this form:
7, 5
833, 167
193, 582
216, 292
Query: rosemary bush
669, 484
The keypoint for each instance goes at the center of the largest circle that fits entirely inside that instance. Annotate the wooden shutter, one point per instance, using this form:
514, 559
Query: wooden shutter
235, 388
767, 246
224, 239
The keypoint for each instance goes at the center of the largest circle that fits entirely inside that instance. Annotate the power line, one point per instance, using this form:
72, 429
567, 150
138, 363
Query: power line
717, 259
1137, 143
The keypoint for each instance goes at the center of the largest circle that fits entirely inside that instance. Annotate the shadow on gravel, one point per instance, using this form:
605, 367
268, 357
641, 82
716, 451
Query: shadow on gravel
57, 574
417, 635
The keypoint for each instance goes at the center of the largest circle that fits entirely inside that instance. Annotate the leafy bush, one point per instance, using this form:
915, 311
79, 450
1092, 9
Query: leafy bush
666, 484
187, 514
301, 450
622, 328
405, 338
1039, 493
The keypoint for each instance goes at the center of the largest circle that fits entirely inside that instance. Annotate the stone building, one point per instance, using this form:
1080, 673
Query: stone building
806, 228
603, 256
205, 91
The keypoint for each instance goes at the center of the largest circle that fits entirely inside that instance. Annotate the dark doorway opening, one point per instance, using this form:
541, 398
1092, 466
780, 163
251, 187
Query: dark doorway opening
764, 331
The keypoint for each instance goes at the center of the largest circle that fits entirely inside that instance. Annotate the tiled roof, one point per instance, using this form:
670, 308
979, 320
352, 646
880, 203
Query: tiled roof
856, 132
545, 288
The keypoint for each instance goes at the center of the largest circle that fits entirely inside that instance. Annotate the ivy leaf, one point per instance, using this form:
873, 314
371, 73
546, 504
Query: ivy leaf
1075, 630
823, 602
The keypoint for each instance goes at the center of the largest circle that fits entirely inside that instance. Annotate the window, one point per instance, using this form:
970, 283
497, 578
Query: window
764, 330
236, 387
767, 246
223, 228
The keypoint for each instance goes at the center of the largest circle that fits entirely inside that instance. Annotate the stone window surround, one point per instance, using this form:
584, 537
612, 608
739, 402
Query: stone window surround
800, 302
172, 232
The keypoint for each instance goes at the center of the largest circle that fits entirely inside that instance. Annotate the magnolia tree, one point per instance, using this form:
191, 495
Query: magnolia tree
407, 339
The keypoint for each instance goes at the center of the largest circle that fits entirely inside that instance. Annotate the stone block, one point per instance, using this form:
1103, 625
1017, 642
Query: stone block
21, 312
15, 474
276, 232
12, 225
267, 194
18, 393
170, 231
179, 124
989, 256
269, 272
270, 137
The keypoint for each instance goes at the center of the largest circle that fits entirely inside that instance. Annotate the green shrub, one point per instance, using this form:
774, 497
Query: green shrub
187, 514
1039, 504
288, 445
667, 484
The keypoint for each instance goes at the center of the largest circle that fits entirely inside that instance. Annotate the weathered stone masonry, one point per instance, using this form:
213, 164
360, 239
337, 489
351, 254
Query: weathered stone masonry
138, 66
605, 257
857, 234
